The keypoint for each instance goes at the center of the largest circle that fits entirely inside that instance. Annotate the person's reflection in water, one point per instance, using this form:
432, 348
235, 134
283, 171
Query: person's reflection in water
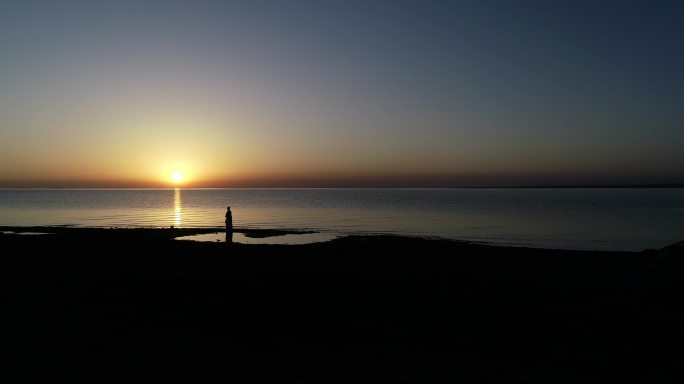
229, 226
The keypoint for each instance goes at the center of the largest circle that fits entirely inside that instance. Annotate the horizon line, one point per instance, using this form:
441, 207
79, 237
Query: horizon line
535, 186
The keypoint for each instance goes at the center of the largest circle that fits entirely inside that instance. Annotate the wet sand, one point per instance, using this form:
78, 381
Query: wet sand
134, 305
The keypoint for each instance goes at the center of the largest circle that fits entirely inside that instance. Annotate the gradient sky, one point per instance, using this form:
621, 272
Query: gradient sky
334, 93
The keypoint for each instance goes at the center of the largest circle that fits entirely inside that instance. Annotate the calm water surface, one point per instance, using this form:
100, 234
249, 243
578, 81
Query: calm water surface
288, 239
609, 219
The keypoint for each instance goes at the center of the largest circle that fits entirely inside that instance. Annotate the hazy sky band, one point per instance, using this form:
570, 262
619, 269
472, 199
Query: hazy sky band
121, 92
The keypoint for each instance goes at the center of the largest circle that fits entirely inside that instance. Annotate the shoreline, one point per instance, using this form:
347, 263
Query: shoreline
263, 233
135, 305
171, 231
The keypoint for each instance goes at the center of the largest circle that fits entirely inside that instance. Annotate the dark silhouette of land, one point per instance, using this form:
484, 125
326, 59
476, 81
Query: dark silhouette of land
125, 305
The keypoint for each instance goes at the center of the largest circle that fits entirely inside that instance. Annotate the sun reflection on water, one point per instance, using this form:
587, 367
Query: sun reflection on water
177, 208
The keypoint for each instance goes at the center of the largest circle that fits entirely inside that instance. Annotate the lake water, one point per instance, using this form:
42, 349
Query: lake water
607, 219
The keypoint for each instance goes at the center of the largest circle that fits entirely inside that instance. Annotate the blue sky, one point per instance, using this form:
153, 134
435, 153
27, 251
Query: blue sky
341, 92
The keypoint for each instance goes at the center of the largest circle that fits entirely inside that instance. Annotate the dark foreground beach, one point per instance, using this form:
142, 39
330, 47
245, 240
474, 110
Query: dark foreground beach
134, 305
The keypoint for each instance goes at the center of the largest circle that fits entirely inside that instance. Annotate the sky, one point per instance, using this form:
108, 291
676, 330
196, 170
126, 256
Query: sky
341, 93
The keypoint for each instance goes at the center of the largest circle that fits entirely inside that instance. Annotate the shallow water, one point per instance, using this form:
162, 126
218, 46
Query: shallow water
608, 219
287, 239
24, 233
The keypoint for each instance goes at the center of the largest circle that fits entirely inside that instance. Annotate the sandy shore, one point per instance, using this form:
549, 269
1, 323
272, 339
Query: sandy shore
133, 305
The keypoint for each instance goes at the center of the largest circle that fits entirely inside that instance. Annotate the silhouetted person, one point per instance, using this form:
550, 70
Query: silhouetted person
229, 226
229, 220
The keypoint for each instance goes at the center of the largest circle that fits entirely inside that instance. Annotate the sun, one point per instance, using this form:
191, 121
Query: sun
177, 177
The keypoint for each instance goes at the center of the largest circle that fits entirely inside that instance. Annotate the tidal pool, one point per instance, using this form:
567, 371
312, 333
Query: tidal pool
24, 233
287, 239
